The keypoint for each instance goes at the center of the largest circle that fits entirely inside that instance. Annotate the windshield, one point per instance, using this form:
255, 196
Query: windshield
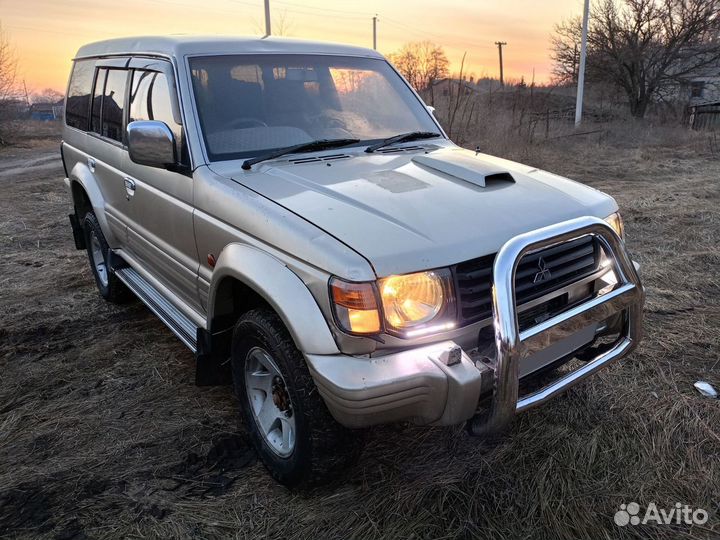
251, 104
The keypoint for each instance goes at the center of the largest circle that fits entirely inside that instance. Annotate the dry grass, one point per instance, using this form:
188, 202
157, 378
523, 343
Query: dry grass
104, 435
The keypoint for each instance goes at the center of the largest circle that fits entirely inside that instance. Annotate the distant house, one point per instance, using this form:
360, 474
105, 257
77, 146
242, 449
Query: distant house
701, 91
46, 111
702, 87
447, 84
699, 85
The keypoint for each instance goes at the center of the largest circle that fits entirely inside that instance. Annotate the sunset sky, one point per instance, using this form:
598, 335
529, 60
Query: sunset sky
47, 33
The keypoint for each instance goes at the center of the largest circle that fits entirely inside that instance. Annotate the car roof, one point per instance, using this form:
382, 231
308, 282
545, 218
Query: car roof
182, 45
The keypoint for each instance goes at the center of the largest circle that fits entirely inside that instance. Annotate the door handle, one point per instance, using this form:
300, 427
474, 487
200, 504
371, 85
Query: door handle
91, 164
129, 187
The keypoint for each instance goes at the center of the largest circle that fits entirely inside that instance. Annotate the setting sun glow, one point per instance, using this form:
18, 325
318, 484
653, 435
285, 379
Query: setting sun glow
47, 33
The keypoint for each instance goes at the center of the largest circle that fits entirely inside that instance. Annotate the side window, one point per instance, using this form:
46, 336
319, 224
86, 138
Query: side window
77, 109
150, 100
97, 100
113, 104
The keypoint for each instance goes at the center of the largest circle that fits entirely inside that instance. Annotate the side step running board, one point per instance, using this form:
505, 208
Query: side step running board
175, 320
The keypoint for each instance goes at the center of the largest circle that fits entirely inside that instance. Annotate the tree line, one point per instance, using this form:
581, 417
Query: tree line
644, 48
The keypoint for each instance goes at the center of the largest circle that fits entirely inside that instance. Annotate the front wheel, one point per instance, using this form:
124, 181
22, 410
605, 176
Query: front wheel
294, 434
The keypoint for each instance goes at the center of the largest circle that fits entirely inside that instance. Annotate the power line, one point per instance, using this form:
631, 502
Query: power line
424, 33
51, 31
359, 14
294, 9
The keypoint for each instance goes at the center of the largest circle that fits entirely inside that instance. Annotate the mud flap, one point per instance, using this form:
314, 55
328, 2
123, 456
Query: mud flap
77, 231
213, 366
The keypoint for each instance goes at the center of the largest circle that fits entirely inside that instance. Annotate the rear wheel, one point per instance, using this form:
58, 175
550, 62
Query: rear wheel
294, 434
110, 287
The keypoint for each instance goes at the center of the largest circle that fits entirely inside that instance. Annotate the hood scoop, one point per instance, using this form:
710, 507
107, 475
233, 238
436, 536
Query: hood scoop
464, 165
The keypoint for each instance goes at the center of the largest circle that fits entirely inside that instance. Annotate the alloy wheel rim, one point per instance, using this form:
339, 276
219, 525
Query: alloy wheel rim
98, 258
270, 402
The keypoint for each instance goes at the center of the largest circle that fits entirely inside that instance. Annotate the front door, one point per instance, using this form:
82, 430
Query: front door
160, 231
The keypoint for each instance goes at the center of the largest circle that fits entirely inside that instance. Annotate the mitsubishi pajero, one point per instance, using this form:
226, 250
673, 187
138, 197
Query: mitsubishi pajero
299, 219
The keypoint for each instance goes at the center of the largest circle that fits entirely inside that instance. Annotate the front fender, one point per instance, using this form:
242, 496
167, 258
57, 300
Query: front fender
281, 288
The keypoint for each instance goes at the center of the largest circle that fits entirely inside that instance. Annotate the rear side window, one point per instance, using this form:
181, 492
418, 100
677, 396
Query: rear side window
108, 103
113, 104
78, 95
97, 100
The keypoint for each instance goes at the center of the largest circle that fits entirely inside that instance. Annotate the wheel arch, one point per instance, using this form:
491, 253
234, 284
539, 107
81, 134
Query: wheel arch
80, 198
246, 277
86, 195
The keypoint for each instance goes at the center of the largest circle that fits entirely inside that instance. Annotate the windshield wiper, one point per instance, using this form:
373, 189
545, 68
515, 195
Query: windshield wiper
403, 137
312, 146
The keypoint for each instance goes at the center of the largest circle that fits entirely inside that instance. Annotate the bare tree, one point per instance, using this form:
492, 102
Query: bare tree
8, 79
421, 63
282, 24
642, 46
8, 67
566, 51
48, 95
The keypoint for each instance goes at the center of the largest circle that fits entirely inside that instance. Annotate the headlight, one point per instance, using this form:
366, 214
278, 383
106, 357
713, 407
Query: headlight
409, 305
412, 299
616, 222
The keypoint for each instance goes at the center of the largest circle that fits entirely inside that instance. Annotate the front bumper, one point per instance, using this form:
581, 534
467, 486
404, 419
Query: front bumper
443, 385
415, 385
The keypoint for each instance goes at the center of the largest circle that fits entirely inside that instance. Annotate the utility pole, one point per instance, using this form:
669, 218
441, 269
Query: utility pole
375, 19
267, 18
581, 71
27, 96
500, 46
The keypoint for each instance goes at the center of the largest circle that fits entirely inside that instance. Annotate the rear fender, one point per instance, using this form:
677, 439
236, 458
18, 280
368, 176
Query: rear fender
81, 175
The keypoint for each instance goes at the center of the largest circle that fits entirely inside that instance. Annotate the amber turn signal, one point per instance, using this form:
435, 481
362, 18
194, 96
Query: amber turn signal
355, 306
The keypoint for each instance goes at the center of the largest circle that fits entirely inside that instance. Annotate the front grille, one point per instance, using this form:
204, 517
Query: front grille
563, 265
542, 312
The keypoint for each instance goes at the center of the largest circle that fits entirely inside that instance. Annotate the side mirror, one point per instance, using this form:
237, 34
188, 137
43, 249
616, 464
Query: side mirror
430, 109
151, 143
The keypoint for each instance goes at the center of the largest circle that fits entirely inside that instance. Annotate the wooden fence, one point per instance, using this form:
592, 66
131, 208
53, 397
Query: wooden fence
705, 116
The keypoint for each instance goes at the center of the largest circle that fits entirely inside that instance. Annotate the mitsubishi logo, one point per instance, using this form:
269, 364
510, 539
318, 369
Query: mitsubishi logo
544, 273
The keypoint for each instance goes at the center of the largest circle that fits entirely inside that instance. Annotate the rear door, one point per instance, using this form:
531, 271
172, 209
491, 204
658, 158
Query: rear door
105, 142
160, 231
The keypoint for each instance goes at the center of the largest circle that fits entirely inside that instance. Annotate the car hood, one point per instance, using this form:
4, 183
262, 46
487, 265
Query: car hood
416, 210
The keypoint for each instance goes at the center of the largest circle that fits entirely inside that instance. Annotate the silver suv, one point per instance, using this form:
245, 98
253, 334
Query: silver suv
296, 215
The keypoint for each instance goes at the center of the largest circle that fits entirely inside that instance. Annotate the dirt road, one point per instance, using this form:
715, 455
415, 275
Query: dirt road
23, 166
103, 433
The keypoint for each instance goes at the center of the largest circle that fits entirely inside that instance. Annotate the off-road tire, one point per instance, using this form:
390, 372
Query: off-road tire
323, 448
114, 290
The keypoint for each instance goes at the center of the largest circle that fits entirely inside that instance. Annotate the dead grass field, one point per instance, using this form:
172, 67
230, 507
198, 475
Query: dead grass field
104, 435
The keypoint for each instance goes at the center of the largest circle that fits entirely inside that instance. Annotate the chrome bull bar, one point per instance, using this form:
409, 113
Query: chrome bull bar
627, 296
